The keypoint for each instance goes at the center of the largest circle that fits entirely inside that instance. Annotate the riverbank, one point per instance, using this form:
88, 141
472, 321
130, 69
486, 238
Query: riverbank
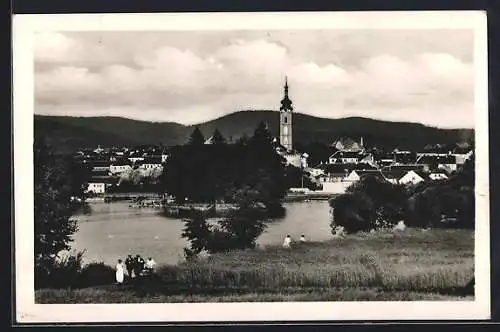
414, 265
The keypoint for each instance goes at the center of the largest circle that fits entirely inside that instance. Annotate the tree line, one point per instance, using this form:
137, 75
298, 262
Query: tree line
199, 172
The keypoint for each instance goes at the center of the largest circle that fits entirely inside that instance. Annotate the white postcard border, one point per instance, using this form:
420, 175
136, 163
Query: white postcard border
24, 27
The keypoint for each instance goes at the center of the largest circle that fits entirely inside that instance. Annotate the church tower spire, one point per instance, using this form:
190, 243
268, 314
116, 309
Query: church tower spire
286, 119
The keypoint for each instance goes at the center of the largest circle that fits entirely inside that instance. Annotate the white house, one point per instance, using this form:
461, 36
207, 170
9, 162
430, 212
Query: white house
119, 168
338, 187
348, 144
411, 177
294, 159
299, 190
100, 168
452, 167
135, 159
461, 158
353, 176
356, 174
316, 172
447, 161
437, 176
345, 157
148, 165
96, 187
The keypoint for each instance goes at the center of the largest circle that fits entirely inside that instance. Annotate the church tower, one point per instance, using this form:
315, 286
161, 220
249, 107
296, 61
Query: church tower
286, 120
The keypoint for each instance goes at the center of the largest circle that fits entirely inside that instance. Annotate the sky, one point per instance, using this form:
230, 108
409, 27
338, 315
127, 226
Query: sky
189, 77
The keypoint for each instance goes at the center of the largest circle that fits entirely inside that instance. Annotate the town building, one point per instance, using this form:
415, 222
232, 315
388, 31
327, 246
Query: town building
438, 176
149, 163
437, 161
412, 178
347, 144
285, 147
100, 184
120, 166
286, 110
345, 157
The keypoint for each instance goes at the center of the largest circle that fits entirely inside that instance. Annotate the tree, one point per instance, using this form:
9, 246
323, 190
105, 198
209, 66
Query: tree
53, 207
239, 230
389, 200
355, 212
209, 172
262, 135
217, 137
197, 231
196, 137
370, 203
244, 225
243, 140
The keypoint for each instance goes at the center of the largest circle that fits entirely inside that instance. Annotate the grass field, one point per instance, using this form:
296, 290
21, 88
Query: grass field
414, 265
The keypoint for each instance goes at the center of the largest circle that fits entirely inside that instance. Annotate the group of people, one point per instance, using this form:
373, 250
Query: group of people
288, 240
135, 267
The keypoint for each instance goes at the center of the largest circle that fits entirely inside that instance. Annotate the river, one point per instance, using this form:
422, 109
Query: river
114, 230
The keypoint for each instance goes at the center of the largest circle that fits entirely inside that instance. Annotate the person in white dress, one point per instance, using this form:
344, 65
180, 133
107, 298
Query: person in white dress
120, 272
302, 238
150, 264
287, 242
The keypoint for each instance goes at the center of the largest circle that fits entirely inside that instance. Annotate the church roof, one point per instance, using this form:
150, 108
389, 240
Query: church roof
286, 102
346, 143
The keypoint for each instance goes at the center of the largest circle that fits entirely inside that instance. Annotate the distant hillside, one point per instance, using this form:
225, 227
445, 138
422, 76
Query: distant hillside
71, 133
74, 132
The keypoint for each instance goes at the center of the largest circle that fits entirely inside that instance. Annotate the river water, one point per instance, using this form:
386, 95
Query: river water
114, 230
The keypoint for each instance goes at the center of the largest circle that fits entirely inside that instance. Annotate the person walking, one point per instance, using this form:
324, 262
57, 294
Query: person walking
119, 272
129, 264
287, 242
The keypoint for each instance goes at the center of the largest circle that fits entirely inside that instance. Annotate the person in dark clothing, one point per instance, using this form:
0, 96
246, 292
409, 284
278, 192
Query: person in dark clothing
139, 265
129, 265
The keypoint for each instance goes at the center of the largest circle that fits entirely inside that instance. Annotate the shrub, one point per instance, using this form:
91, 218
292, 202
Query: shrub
370, 203
64, 272
196, 231
354, 212
442, 206
96, 274
239, 230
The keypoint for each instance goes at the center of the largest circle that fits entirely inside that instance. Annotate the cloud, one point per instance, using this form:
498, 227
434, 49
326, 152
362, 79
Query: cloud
172, 83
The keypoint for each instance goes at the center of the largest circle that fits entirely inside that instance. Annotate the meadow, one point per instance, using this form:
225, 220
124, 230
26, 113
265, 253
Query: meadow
412, 265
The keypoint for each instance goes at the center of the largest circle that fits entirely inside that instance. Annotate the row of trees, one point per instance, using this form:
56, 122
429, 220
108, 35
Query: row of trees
201, 172
374, 203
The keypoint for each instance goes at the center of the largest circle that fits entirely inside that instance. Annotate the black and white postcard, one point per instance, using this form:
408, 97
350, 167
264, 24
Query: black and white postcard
204, 167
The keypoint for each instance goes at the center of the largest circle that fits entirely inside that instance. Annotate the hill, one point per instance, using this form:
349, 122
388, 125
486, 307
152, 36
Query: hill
74, 132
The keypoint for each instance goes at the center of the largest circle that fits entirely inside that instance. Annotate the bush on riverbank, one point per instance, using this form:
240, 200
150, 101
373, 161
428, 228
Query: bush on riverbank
370, 203
69, 271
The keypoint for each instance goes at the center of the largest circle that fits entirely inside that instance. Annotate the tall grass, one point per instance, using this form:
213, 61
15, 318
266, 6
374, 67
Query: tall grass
386, 261
93, 295
363, 266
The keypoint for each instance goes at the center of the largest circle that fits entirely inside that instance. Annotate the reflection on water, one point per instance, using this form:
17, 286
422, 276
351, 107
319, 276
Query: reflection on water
108, 231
